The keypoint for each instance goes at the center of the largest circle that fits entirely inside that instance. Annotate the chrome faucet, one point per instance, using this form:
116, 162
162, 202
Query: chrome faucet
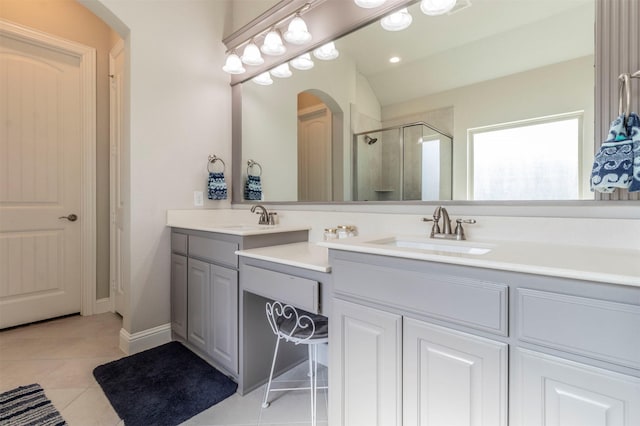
445, 231
266, 218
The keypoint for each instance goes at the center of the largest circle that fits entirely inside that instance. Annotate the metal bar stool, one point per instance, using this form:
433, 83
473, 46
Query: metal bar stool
298, 327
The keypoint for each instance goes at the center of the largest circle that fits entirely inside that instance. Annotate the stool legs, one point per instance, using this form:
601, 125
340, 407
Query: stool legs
265, 403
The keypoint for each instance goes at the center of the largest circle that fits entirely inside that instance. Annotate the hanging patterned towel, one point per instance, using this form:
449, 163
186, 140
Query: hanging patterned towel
613, 163
217, 187
633, 130
253, 188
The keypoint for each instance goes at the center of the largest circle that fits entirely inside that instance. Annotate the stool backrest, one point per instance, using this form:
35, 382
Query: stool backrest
287, 323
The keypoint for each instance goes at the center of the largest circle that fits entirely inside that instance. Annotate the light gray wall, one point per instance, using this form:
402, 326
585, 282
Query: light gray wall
179, 112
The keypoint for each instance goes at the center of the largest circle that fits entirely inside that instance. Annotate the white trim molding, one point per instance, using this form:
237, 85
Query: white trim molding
143, 340
87, 58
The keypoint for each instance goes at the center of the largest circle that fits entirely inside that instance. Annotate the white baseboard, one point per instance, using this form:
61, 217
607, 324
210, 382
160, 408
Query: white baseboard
143, 340
102, 305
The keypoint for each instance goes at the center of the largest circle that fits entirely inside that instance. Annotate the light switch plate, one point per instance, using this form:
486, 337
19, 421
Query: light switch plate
198, 198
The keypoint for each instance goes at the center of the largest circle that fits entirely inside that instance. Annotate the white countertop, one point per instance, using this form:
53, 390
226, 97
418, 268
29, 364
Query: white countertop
303, 255
615, 266
233, 228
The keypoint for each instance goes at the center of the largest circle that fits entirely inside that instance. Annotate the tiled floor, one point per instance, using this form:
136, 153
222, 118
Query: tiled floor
61, 354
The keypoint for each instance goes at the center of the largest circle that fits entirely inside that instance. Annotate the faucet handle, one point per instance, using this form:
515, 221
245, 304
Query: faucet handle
459, 230
436, 228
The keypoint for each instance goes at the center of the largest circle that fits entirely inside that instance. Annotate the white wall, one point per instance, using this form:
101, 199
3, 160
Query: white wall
179, 112
542, 92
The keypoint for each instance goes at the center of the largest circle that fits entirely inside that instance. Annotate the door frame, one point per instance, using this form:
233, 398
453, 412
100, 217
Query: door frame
87, 58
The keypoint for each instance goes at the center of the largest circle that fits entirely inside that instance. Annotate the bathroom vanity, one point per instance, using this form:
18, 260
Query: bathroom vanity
437, 342
204, 285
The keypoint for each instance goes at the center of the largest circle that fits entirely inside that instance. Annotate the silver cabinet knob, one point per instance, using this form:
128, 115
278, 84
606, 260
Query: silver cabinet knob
71, 218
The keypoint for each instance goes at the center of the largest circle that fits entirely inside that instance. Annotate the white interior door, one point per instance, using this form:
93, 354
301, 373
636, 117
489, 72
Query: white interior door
116, 71
40, 182
314, 155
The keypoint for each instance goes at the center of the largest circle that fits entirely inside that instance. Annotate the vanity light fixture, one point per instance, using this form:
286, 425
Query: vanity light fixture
273, 44
436, 7
263, 79
394, 59
369, 4
297, 32
326, 52
251, 55
302, 62
233, 64
397, 21
282, 71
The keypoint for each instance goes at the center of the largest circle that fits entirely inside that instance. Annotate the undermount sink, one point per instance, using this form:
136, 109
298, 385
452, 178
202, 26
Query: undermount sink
247, 227
431, 245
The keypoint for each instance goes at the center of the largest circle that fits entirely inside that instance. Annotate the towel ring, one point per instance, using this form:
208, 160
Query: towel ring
624, 90
212, 160
250, 165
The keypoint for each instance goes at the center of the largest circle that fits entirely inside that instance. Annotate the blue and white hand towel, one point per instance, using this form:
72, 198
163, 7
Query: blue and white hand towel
613, 163
633, 130
253, 188
217, 187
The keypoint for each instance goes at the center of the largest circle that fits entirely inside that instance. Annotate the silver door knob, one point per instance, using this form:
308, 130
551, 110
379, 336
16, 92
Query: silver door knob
71, 218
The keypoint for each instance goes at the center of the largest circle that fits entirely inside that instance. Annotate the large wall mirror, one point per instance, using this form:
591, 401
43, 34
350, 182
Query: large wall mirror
475, 95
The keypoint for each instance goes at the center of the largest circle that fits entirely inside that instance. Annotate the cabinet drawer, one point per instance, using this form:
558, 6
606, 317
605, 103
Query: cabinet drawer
594, 328
299, 292
222, 252
179, 243
467, 301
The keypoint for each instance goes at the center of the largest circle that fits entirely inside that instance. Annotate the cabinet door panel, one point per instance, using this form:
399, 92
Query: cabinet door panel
452, 378
198, 296
555, 392
179, 295
224, 317
365, 366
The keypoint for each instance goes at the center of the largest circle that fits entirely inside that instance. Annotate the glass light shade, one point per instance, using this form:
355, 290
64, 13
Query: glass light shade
251, 55
436, 7
368, 4
297, 32
326, 52
282, 71
397, 21
233, 64
263, 79
302, 62
273, 44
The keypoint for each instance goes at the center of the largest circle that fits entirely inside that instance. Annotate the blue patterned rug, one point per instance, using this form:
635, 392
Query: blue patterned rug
163, 386
28, 405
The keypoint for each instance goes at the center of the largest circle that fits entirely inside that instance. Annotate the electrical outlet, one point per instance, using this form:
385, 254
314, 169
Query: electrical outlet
198, 198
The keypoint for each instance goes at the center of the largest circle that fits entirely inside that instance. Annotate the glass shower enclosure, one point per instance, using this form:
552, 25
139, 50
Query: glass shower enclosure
407, 162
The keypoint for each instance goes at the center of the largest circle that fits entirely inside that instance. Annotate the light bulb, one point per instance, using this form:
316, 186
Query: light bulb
397, 21
233, 64
282, 71
251, 55
302, 62
436, 7
273, 44
326, 52
297, 32
368, 4
263, 79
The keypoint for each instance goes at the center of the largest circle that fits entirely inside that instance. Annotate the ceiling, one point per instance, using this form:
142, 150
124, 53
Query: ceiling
482, 40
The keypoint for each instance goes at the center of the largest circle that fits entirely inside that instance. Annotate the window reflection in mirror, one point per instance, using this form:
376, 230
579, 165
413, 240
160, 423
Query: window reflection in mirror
490, 63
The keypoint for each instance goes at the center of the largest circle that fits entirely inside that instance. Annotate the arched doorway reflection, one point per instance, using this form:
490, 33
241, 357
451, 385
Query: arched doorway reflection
320, 165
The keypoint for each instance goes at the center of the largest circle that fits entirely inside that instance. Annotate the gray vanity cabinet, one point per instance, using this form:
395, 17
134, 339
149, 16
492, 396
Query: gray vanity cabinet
204, 290
433, 344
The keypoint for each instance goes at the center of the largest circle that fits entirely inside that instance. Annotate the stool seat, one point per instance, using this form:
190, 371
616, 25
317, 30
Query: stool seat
290, 326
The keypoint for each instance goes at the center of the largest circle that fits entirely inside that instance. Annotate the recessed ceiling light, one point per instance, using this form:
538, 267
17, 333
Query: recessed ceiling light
394, 59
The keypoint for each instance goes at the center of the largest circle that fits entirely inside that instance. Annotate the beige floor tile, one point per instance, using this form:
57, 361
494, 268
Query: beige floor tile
61, 398
91, 408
